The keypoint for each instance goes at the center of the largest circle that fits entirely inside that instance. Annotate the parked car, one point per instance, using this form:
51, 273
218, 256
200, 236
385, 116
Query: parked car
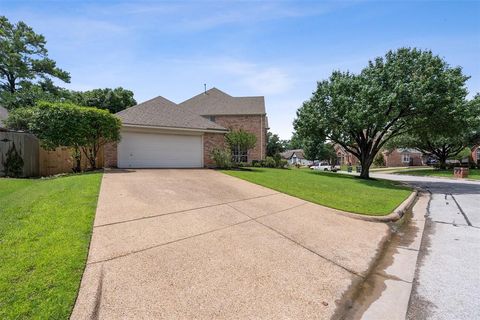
325, 166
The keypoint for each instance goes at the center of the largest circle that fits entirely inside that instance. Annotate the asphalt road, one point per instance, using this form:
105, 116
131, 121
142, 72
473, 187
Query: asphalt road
447, 277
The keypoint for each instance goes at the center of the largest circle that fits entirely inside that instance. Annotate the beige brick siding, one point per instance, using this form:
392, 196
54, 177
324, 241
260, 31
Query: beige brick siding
251, 123
110, 155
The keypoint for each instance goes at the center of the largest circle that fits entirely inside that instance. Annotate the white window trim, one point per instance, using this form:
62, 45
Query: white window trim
406, 158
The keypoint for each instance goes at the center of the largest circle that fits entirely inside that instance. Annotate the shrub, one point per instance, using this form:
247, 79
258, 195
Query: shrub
222, 158
19, 119
239, 142
379, 160
256, 164
270, 162
282, 163
13, 164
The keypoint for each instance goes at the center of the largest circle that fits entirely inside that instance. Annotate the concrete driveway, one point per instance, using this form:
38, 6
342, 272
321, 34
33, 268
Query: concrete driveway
178, 244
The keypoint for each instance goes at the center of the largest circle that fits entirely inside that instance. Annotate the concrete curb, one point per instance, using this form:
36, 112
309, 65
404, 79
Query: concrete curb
396, 214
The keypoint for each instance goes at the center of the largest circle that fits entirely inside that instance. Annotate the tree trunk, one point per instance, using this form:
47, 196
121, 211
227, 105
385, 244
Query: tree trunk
77, 158
366, 162
443, 163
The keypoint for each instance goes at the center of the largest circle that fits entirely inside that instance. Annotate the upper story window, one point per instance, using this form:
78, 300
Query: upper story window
211, 118
406, 158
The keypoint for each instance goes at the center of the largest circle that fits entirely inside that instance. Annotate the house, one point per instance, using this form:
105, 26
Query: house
3, 117
476, 154
403, 157
296, 156
159, 133
344, 157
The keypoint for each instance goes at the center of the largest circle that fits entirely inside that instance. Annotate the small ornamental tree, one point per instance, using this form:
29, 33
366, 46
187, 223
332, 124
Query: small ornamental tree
239, 142
13, 164
99, 127
363, 112
69, 125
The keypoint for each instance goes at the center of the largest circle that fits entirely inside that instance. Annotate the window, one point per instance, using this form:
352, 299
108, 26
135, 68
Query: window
406, 158
239, 155
478, 154
211, 118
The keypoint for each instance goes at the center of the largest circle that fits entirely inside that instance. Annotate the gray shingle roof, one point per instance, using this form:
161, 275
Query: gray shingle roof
160, 112
289, 154
217, 102
3, 115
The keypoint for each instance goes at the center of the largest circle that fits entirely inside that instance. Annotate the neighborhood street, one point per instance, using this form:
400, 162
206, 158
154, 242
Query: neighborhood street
447, 276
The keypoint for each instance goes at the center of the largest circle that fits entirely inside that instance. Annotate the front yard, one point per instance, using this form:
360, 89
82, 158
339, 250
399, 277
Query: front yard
335, 190
474, 173
45, 232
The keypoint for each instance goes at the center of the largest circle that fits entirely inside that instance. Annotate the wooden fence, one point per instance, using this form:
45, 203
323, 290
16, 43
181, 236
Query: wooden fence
60, 161
38, 161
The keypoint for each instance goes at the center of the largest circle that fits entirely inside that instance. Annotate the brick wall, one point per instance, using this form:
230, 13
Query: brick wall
110, 155
475, 157
251, 123
210, 142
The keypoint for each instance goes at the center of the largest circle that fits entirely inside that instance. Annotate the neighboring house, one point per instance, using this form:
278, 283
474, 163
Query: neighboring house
344, 157
403, 157
161, 134
296, 156
476, 154
3, 117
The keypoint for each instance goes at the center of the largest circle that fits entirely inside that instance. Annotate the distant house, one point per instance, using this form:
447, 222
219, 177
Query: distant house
296, 156
476, 154
403, 157
3, 117
344, 157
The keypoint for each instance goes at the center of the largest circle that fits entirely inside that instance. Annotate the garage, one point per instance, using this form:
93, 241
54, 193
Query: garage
160, 150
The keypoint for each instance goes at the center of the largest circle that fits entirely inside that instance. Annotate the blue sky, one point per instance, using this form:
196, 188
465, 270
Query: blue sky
277, 49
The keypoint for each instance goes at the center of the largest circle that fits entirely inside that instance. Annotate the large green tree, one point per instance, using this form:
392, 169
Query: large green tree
113, 100
24, 58
363, 112
444, 134
274, 144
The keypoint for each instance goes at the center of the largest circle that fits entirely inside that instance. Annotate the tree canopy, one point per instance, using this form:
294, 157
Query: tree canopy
24, 57
363, 112
113, 100
274, 144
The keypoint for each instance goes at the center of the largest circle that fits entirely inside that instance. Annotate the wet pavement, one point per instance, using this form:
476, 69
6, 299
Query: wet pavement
446, 283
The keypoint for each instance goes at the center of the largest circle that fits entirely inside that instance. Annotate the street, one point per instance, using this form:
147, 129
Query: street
447, 277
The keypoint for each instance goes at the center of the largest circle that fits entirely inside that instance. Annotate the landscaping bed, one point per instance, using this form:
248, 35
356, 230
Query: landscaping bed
45, 232
339, 191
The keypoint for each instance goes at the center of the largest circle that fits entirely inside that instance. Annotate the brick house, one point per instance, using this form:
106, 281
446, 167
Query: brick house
159, 133
403, 157
344, 157
476, 154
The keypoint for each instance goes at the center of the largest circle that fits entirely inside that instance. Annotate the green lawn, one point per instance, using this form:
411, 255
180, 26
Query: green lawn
45, 229
474, 173
335, 190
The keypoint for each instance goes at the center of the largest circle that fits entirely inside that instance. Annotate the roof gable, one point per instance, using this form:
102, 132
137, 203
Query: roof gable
217, 102
161, 112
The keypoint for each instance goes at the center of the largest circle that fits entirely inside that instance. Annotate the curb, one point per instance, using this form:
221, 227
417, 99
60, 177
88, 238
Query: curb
394, 216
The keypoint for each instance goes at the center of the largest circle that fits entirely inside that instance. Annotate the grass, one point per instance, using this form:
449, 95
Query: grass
343, 192
45, 229
473, 173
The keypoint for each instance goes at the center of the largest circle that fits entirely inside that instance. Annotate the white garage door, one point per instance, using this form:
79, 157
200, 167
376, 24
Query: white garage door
153, 150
